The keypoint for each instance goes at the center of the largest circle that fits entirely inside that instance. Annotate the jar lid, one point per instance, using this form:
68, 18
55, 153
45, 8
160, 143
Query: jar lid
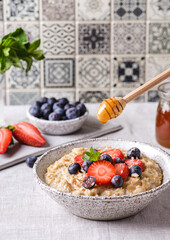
164, 91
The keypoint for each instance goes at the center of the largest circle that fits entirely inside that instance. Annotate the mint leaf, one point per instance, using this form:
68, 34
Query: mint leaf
86, 157
38, 54
92, 156
33, 46
19, 35
14, 47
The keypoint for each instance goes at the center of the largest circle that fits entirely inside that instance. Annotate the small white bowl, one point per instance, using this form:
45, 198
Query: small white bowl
58, 127
101, 207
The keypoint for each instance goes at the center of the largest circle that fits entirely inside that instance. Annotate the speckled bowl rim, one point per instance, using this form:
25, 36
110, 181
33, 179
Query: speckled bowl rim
74, 121
122, 197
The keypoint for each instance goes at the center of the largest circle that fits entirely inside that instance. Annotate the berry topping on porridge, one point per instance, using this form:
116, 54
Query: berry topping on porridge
104, 172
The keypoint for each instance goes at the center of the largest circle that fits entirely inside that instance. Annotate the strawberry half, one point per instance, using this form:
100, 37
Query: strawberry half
131, 162
102, 170
122, 170
27, 133
79, 159
114, 153
5, 139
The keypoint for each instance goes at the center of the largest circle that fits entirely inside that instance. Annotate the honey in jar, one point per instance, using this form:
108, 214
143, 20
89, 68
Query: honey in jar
163, 116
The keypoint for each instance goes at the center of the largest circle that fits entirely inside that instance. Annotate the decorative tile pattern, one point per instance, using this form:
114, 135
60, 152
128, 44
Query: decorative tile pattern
1, 29
59, 72
58, 9
58, 38
159, 38
93, 9
129, 38
155, 65
94, 38
93, 96
23, 98
128, 71
121, 92
129, 9
153, 96
18, 80
94, 72
1, 10
31, 29
70, 94
22, 10
159, 9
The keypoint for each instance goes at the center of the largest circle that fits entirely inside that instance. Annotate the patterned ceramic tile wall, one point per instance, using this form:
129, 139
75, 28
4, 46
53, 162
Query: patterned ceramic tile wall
94, 48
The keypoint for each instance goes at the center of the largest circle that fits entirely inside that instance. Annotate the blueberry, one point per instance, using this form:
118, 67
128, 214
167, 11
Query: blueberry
43, 100
37, 104
30, 161
56, 105
133, 152
89, 182
67, 106
59, 111
95, 150
106, 157
64, 118
63, 101
52, 100
46, 106
117, 181
119, 160
74, 104
54, 116
46, 114
74, 168
135, 171
82, 108
72, 113
35, 111
86, 165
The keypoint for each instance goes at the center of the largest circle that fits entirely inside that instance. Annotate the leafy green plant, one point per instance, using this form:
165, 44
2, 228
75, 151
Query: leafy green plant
92, 156
14, 49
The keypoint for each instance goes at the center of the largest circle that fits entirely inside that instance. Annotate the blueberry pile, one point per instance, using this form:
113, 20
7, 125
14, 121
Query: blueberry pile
56, 110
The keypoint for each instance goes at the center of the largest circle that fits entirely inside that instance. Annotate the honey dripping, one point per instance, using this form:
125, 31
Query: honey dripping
110, 108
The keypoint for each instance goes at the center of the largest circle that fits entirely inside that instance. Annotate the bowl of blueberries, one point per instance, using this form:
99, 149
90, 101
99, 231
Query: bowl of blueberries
57, 116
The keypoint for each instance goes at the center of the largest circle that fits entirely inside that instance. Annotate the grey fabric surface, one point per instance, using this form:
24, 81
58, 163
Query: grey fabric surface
27, 213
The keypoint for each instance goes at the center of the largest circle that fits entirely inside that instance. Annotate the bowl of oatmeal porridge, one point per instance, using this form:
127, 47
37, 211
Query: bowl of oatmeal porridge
88, 195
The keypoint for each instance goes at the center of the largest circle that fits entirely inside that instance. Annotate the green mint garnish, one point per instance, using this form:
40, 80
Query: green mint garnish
14, 47
92, 156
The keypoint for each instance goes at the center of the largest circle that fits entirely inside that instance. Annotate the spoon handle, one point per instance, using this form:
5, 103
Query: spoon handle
145, 87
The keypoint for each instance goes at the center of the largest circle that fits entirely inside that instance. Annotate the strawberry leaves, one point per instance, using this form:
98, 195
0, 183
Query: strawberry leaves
92, 156
14, 49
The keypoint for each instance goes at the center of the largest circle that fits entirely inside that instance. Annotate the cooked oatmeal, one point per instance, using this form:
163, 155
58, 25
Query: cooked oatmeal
57, 176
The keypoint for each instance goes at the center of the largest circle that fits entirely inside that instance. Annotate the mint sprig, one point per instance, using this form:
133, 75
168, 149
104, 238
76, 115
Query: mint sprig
14, 48
92, 156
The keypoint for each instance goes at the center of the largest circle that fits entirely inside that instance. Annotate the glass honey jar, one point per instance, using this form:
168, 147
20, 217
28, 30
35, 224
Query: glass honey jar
163, 116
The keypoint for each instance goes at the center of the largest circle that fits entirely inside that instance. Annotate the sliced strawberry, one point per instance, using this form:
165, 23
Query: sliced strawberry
122, 170
131, 162
114, 153
5, 139
79, 159
27, 133
102, 170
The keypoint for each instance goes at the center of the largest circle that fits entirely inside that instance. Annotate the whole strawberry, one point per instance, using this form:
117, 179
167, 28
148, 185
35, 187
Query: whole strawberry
5, 139
27, 133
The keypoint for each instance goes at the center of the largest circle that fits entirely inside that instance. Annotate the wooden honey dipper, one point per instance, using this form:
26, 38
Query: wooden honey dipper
112, 107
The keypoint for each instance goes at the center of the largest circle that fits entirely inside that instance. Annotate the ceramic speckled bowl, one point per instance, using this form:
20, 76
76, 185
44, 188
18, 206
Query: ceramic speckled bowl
58, 127
103, 208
